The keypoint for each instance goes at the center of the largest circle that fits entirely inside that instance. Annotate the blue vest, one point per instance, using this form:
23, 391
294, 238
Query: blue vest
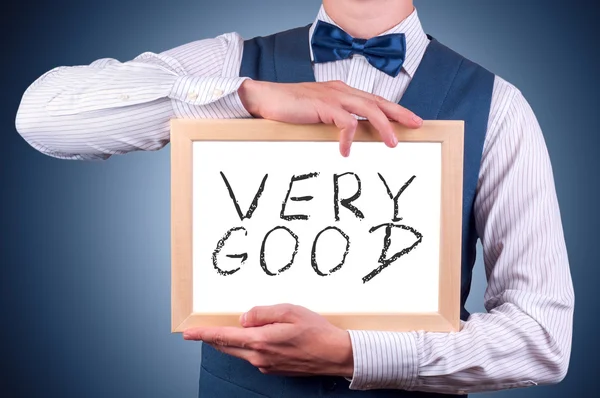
446, 86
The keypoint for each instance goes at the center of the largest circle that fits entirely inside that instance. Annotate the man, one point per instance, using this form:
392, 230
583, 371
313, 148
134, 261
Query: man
360, 57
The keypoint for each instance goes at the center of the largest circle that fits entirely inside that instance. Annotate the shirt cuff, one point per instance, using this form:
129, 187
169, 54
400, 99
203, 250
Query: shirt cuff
220, 93
384, 360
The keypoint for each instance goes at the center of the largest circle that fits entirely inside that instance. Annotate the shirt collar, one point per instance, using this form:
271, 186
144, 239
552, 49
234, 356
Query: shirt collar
416, 39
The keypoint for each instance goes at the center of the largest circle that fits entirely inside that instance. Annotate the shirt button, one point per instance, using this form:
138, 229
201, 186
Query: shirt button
462, 392
124, 97
192, 95
217, 92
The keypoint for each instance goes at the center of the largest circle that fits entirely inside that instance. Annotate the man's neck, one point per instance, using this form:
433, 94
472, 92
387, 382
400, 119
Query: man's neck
367, 18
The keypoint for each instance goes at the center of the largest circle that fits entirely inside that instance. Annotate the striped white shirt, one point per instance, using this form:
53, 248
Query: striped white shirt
524, 339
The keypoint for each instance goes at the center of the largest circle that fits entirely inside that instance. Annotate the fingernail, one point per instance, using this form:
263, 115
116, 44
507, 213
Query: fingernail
417, 120
187, 335
394, 140
344, 150
243, 319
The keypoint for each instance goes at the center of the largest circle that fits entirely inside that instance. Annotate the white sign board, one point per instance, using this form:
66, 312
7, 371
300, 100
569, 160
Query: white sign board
276, 215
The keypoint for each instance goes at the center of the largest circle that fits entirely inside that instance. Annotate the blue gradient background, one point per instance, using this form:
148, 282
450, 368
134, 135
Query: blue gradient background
85, 247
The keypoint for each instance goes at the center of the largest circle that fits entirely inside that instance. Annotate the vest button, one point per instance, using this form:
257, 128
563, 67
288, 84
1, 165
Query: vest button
330, 385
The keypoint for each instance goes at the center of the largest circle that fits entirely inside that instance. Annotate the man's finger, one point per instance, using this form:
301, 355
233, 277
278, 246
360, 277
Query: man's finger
222, 336
370, 110
346, 89
400, 114
393, 110
347, 124
260, 316
256, 359
241, 353
276, 372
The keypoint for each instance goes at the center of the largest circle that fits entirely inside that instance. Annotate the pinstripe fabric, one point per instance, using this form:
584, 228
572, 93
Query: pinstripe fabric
109, 107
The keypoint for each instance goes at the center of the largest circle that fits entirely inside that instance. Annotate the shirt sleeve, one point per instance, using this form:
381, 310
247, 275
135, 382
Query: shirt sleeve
91, 112
524, 339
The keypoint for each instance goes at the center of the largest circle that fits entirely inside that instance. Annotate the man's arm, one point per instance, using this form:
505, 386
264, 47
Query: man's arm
109, 107
525, 338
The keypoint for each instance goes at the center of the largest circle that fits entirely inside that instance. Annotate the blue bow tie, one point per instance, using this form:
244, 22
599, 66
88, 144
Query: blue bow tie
386, 53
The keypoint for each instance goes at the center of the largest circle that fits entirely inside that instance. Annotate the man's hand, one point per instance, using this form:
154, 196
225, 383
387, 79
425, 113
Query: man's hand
328, 102
283, 339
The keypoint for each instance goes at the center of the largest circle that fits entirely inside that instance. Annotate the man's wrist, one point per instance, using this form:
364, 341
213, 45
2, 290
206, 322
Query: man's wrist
249, 95
345, 357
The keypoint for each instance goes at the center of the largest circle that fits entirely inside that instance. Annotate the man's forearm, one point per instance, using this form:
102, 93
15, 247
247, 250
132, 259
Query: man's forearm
525, 338
108, 107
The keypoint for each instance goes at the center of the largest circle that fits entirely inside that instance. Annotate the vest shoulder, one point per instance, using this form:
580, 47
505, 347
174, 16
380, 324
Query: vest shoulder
502, 87
465, 62
298, 31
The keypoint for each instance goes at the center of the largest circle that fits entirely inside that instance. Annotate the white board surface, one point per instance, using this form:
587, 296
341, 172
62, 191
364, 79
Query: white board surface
408, 284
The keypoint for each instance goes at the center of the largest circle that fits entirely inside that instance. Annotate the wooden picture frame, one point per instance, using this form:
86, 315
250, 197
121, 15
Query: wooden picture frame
450, 134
